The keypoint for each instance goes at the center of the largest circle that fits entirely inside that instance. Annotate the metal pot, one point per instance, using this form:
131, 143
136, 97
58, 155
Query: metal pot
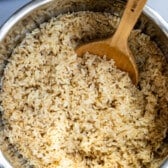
39, 11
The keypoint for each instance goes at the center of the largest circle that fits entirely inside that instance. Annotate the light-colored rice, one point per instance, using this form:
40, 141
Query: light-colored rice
69, 112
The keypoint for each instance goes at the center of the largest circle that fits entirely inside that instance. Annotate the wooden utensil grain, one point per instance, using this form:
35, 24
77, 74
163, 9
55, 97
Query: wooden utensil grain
116, 47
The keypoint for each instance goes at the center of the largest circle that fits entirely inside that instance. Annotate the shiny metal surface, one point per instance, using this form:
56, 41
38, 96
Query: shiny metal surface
3, 162
164, 164
25, 10
157, 19
38, 11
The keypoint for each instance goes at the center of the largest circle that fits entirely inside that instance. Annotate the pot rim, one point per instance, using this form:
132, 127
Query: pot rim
32, 5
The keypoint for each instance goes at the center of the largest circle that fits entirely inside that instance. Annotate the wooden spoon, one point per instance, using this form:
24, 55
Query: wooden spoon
116, 47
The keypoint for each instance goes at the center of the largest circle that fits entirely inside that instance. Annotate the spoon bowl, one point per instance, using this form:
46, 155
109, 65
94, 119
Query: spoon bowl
123, 60
116, 47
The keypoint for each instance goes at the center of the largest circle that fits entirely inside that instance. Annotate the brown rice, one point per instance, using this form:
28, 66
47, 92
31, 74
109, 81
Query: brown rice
69, 112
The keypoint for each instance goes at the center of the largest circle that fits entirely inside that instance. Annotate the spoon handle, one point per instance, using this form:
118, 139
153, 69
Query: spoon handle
131, 14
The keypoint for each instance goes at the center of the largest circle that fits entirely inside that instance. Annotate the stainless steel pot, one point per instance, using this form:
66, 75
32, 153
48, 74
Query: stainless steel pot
38, 11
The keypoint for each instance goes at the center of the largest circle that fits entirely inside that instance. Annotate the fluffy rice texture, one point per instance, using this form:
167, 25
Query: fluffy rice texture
63, 111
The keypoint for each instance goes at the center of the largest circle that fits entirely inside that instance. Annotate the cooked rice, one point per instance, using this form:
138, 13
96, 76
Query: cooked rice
64, 111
